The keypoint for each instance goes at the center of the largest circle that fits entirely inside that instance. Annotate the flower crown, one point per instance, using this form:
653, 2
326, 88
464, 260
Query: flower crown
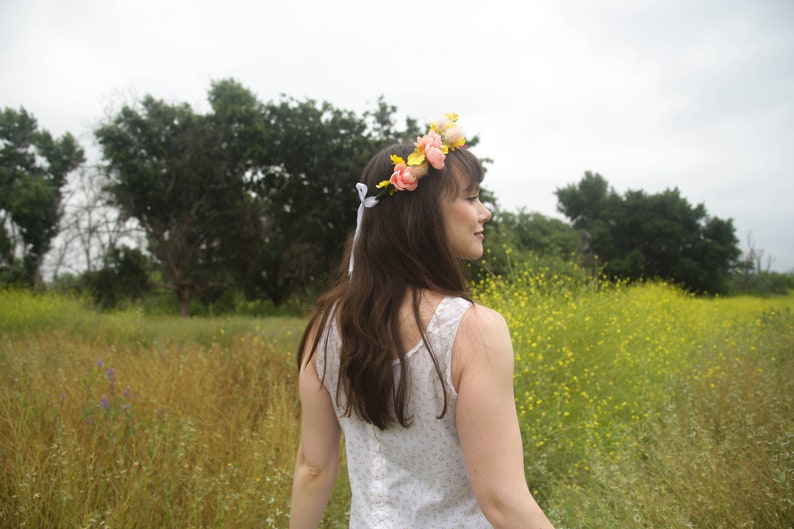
432, 148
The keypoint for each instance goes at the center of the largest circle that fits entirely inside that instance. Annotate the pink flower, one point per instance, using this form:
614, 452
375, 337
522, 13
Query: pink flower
402, 178
432, 145
435, 157
431, 139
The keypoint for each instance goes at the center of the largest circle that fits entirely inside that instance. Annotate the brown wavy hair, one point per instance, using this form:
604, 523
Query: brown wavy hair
402, 250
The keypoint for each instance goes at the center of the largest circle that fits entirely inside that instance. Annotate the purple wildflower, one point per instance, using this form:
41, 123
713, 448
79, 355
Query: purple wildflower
104, 402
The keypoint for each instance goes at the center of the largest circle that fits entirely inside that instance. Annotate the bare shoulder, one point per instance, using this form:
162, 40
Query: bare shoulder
484, 322
482, 344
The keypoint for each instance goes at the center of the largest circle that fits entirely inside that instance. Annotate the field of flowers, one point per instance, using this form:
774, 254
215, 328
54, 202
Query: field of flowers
641, 407
644, 406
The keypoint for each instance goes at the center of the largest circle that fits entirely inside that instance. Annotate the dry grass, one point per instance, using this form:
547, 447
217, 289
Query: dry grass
147, 432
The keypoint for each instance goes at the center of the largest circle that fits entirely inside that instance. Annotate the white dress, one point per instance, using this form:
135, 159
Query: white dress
415, 477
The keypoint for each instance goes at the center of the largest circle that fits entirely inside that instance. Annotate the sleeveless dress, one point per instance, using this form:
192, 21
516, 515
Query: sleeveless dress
415, 477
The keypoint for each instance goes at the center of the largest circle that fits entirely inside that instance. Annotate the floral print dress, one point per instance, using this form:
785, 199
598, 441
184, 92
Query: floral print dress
411, 477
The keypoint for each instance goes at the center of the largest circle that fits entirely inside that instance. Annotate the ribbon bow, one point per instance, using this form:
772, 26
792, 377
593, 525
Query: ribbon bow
366, 202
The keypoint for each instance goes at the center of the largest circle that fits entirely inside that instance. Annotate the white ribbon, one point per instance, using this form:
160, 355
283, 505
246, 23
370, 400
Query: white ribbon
366, 202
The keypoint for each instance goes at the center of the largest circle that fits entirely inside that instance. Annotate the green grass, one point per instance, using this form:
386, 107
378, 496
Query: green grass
646, 407
641, 407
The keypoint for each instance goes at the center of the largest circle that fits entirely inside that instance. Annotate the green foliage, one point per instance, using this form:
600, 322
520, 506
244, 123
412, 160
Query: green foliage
22, 310
762, 283
753, 275
33, 170
519, 238
166, 171
537, 233
659, 236
123, 279
303, 189
316, 154
642, 406
250, 197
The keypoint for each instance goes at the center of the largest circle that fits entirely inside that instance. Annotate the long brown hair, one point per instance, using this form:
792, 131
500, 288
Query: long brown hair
402, 249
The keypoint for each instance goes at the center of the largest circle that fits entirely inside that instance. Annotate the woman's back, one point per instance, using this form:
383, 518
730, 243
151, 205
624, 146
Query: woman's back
415, 476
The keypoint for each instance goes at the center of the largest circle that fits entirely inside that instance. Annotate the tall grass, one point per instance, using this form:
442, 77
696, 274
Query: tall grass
643, 406
640, 406
121, 421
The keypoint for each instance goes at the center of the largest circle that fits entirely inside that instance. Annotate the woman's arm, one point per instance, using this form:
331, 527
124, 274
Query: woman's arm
487, 422
317, 461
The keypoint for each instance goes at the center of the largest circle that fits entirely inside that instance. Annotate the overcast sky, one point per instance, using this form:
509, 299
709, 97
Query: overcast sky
693, 94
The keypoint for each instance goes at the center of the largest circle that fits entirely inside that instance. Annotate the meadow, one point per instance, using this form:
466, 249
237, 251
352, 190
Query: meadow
641, 407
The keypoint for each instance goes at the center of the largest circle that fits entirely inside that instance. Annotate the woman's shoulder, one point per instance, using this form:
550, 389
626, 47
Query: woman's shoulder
482, 317
482, 326
482, 344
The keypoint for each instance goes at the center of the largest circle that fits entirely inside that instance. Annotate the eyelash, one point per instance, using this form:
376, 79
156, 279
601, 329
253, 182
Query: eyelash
473, 198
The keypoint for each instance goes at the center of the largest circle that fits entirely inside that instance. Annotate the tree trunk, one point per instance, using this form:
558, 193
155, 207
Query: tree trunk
183, 292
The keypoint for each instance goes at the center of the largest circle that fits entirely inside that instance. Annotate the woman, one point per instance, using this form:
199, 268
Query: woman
397, 357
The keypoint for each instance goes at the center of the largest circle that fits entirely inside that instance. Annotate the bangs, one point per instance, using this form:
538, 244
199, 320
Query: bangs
467, 168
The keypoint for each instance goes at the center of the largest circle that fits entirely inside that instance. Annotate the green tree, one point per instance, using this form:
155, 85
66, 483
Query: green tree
518, 238
33, 170
753, 273
306, 193
641, 236
537, 233
124, 278
305, 199
182, 176
251, 196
